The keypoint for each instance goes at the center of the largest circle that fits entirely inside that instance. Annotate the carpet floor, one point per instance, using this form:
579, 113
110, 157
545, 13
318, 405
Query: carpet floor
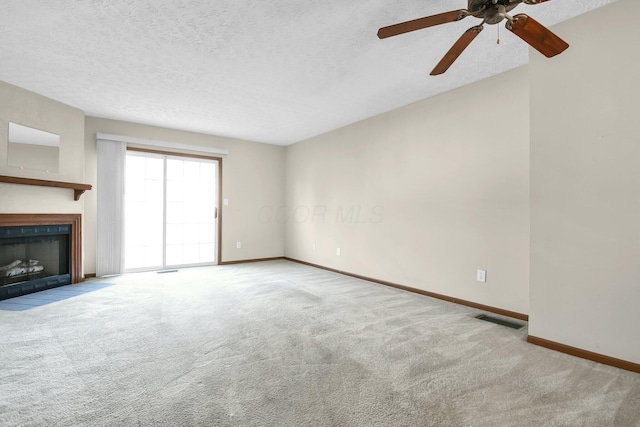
282, 344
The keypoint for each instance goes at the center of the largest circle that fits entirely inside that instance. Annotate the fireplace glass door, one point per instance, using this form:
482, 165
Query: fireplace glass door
33, 258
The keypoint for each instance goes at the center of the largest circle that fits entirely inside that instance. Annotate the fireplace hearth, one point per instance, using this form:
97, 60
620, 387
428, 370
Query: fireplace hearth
38, 252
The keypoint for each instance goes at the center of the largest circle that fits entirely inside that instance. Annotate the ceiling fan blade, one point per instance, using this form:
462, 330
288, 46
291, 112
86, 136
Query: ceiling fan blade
418, 24
537, 35
534, 1
456, 50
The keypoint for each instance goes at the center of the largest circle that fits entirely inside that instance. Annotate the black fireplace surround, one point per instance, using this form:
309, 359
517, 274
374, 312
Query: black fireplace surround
34, 258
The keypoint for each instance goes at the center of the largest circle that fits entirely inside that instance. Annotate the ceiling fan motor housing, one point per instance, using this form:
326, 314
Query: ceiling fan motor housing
476, 6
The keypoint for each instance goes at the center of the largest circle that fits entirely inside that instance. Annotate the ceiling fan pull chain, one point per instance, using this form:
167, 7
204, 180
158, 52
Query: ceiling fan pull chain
498, 33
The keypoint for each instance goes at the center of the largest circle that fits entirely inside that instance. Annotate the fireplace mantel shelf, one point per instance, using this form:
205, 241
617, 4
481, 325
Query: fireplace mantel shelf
78, 189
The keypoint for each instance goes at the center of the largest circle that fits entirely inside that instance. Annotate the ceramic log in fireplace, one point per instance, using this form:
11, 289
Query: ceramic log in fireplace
38, 252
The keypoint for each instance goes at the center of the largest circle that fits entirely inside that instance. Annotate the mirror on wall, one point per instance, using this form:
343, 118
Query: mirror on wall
30, 148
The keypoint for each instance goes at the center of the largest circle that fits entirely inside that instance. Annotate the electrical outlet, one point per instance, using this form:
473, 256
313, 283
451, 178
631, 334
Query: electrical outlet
338, 251
481, 276
238, 245
225, 202
314, 247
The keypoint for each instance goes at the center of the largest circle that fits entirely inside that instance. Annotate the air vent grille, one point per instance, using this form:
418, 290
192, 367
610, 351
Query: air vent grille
499, 321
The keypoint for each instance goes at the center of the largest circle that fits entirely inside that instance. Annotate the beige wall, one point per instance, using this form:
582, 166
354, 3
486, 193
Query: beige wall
30, 109
423, 196
585, 164
27, 108
253, 177
32, 156
253, 174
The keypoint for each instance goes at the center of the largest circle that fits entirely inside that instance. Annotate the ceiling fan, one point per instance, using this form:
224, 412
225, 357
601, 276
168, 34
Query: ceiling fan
491, 12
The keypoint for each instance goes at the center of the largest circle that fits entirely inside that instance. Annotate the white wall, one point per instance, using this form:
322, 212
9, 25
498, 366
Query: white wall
423, 196
585, 173
253, 177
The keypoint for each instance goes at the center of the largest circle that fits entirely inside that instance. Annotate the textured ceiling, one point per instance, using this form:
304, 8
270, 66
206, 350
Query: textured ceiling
275, 71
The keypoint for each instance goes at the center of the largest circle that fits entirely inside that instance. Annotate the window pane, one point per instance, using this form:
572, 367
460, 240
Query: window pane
191, 196
143, 211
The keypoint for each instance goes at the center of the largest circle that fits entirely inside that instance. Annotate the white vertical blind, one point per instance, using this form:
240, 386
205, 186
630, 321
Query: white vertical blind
110, 234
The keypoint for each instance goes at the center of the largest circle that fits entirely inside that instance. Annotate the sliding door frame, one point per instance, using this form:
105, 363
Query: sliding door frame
219, 207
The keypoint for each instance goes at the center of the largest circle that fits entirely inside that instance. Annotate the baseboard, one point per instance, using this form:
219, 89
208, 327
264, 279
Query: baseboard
584, 354
482, 307
247, 261
90, 276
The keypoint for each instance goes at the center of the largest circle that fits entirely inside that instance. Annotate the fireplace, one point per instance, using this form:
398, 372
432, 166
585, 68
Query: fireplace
38, 252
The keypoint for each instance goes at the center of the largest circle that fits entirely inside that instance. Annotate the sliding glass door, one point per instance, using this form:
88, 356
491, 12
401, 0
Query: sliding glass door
191, 202
171, 206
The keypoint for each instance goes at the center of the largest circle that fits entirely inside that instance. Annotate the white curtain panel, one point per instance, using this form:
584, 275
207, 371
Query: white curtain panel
110, 233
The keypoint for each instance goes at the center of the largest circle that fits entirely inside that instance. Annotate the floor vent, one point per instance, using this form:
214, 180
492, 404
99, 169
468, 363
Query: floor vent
502, 322
166, 271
